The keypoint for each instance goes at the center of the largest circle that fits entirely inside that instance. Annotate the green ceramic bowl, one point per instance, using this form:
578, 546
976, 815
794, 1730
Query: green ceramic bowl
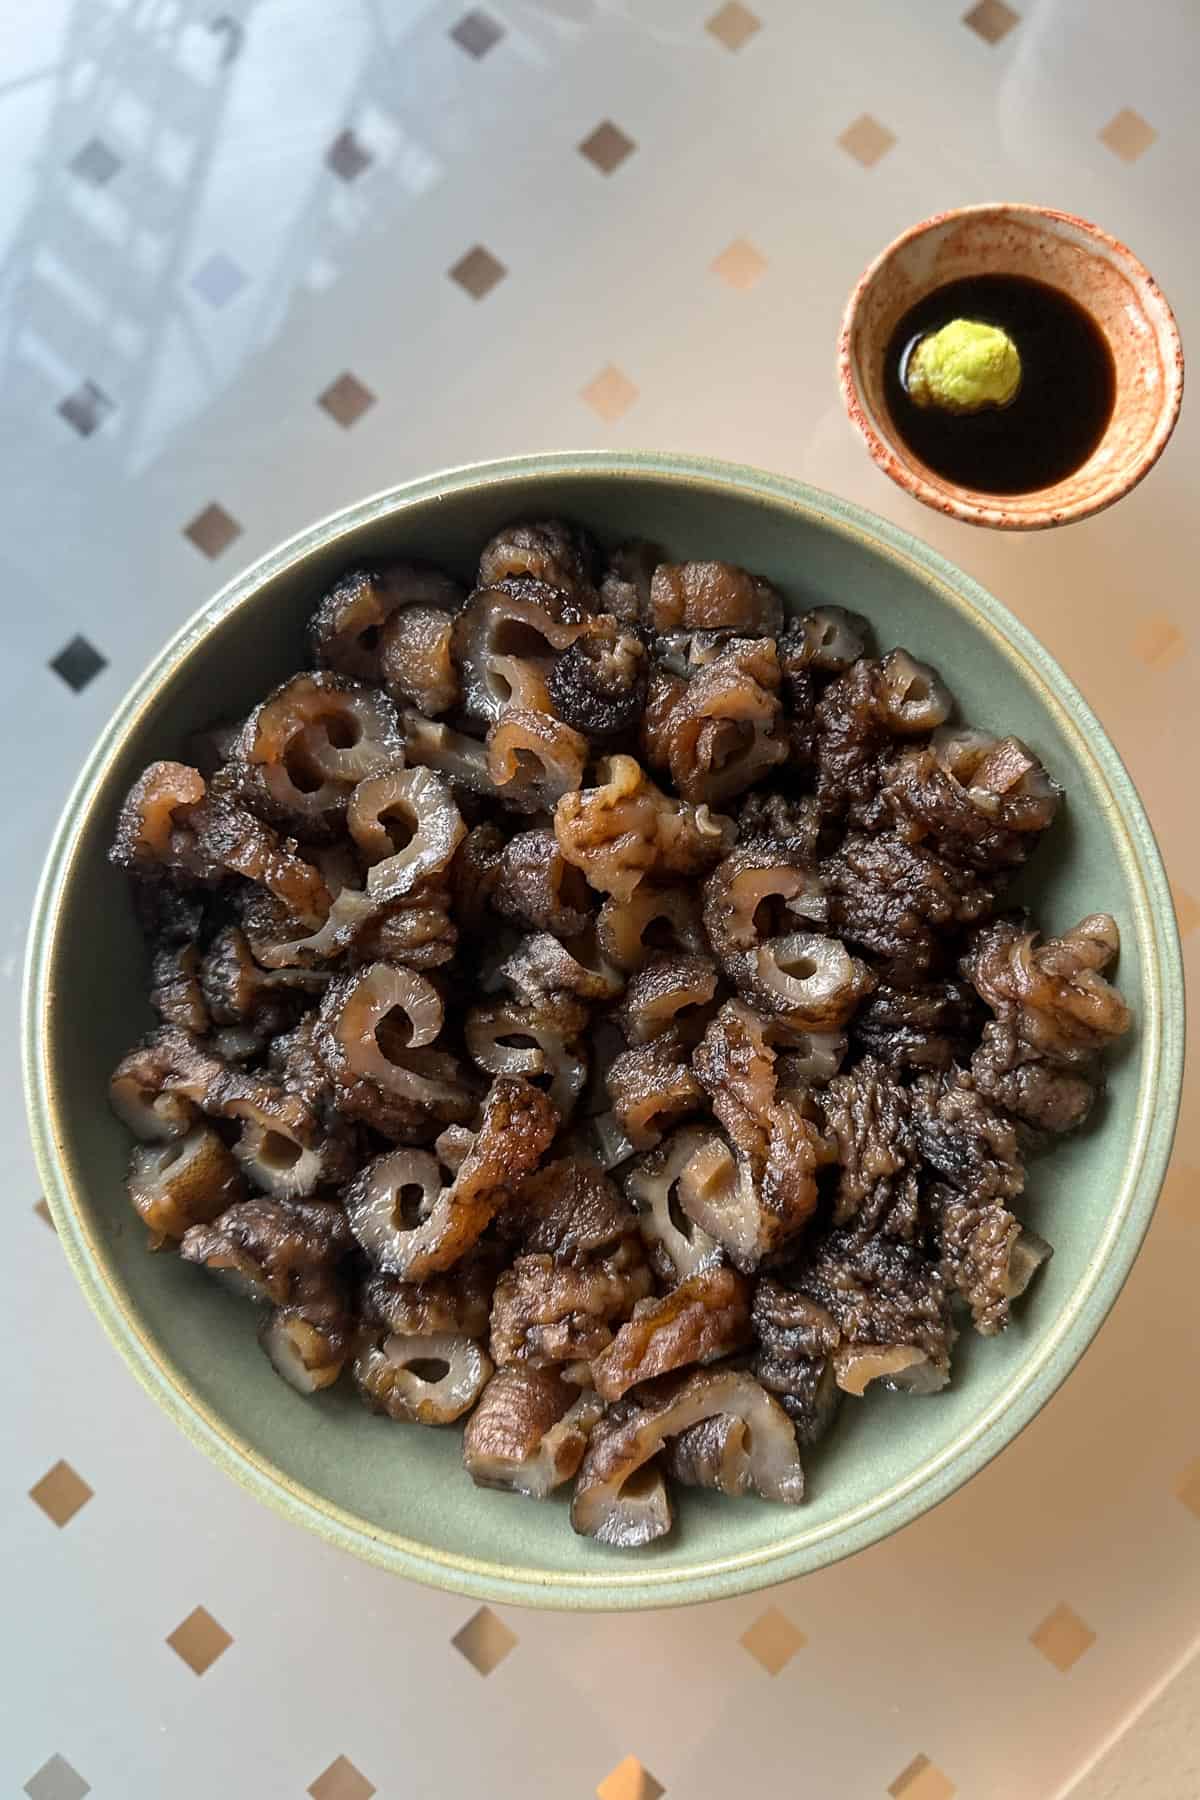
398, 1496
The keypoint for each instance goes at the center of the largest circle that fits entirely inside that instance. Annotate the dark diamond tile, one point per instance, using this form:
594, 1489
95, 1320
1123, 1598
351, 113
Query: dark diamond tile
478, 272
212, 530
78, 663
57, 1780
346, 400
86, 409
232, 34
95, 163
347, 157
607, 147
477, 33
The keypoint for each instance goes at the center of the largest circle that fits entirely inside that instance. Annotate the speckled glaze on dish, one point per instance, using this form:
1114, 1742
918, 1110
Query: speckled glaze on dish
398, 1496
1102, 275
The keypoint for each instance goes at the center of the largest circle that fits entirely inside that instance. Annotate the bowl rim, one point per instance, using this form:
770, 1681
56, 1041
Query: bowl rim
1039, 1375
974, 506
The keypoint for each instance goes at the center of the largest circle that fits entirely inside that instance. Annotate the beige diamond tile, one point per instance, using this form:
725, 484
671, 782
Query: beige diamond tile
60, 1493
629, 1781
1187, 1488
866, 140
773, 1640
733, 25
610, 395
484, 1640
212, 530
341, 1781
199, 1641
741, 265
1062, 1637
346, 400
922, 1780
1181, 1192
1187, 909
1158, 641
478, 272
1128, 135
44, 1214
56, 1780
992, 20
607, 147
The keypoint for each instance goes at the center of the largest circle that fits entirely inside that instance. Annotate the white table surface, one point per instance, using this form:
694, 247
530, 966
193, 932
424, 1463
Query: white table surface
210, 212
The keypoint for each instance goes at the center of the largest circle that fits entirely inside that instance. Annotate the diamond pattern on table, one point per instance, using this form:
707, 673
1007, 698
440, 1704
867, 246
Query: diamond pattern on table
992, 19
57, 1780
477, 33
741, 266
341, 1781
43, 1212
95, 163
1062, 1637
773, 1640
629, 1781
478, 272
232, 34
607, 147
866, 140
1128, 135
1187, 1488
60, 1493
346, 400
1187, 909
484, 1640
347, 157
1158, 641
212, 530
218, 279
77, 663
922, 1780
199, 1641
86, 409
610, 395
733, 25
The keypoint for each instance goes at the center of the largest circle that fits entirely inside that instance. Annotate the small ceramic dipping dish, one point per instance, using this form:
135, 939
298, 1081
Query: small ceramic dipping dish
1092, 269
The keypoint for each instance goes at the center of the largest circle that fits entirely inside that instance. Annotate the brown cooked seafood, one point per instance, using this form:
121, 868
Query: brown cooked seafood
589, 1010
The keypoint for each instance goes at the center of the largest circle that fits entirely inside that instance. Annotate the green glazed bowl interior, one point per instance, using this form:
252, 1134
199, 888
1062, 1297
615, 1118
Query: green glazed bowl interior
398, 1495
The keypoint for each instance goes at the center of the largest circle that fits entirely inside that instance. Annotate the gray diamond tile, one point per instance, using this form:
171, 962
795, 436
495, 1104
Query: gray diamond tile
95, 163
78, 663
477, 33
86, 409
347, 157
218, 279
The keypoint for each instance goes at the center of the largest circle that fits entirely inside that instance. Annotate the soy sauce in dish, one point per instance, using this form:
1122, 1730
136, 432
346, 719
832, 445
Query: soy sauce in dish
1059, 412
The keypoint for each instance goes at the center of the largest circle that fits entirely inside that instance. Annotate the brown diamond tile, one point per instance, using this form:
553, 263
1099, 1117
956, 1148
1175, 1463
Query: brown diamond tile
992, 20
610, 395
478, 272
629, 1781
43, 1212
733, 25
866, 140
199, 1641
1128, 135
346, 400
741, 265
1187, 1488
477, 33
1187, 909
1158, 641
57, 1780
347, 157
341, 1781
484, 1640
1062, 1637
773, 1640
607, 147
1181, 1192
60, 1493
922, 1780
213, 530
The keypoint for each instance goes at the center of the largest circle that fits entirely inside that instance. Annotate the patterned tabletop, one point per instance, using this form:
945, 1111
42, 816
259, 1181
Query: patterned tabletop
262, 258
